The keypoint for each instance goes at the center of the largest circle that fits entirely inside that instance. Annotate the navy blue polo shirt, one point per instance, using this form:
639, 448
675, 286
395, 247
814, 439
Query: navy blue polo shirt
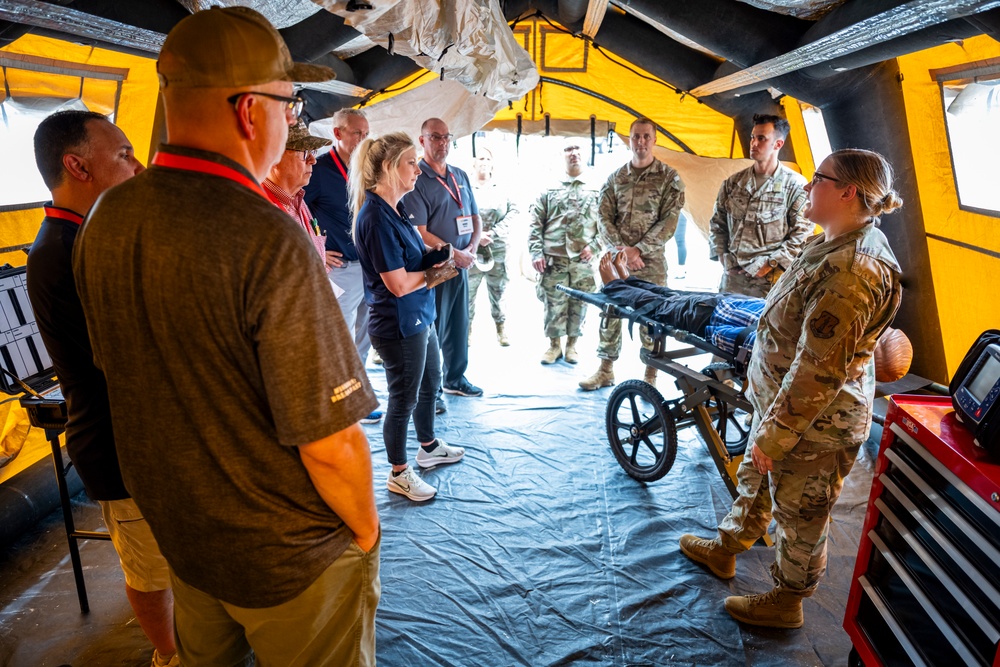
436, 206
386, 242
326, 197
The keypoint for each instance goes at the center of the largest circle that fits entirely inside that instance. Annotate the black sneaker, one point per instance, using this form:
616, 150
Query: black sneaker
463, 388
439, 406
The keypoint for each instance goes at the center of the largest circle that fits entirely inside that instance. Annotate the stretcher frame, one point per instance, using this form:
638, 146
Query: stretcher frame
710, 400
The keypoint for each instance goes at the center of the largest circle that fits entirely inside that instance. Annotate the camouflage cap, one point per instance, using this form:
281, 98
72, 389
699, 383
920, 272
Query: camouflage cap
227, 47
299, 139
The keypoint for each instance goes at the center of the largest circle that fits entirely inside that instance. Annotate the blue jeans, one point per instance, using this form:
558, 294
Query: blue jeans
413, 374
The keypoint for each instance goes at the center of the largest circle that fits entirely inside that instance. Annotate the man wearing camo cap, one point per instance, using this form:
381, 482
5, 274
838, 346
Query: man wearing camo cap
213, 320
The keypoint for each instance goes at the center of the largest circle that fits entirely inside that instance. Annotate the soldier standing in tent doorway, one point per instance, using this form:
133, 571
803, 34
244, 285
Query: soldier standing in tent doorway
562, 241
496, 211
758, 227
639, 206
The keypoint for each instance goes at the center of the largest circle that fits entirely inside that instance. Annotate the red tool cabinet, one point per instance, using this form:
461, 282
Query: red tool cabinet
926, 587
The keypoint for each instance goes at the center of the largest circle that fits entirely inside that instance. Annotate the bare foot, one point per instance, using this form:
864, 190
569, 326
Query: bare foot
607, 269
621, 265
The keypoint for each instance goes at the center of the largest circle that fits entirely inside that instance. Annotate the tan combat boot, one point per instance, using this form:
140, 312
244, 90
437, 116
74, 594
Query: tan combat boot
502, 336
650, 376
554, 353
571, 357
774, 609
604, 377
711, 554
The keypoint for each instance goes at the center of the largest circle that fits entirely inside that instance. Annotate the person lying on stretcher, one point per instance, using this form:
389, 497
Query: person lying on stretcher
727, 321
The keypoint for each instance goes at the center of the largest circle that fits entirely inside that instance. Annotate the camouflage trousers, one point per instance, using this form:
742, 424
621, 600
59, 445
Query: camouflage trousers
496, 283
744, 283
564, 315
610, 345
799, 494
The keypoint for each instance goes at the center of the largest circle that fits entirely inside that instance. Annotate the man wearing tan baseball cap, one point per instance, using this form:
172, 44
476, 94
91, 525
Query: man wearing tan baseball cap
236, 425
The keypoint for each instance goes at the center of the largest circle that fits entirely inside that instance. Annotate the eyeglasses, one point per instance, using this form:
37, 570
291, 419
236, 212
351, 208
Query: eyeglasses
437, 138
305, 155
355, 133
293, 105
820, 176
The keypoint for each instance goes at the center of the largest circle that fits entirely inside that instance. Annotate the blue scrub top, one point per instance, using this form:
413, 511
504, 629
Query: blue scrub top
386, 241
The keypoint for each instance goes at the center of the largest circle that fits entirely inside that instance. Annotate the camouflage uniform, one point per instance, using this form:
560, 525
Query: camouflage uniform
812, 383
639, 210
563, 223
495, 212
752, 226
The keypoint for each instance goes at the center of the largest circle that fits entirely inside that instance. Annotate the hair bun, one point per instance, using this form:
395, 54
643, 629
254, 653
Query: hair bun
891, 201
893, 355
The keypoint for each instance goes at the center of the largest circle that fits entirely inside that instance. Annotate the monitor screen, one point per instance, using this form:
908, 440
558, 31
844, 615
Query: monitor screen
985, 378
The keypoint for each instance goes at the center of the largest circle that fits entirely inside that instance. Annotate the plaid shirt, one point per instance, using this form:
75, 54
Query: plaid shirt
295, 206
732, 315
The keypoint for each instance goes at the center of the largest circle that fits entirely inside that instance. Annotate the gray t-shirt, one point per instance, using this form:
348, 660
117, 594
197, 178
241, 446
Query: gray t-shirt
433, 204
212, 318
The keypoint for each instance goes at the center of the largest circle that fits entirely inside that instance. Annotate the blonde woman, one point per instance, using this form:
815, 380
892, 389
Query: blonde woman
812, 383
401, 308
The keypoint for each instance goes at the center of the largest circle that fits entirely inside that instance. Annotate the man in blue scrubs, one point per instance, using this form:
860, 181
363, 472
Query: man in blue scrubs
444, 210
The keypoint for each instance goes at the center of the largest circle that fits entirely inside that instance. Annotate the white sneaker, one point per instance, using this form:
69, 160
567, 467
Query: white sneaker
409, 484
158, 660
443, 453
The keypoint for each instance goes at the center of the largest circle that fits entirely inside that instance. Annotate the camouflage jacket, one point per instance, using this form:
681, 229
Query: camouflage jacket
812, 375
496, 211
641, 210
564, 220
751, 225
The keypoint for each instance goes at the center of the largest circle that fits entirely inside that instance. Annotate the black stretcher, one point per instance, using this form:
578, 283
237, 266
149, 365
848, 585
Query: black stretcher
642, 426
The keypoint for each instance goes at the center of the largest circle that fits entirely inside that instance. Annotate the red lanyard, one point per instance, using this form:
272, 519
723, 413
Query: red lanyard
171, 161
63, 214
457, 194
336, 161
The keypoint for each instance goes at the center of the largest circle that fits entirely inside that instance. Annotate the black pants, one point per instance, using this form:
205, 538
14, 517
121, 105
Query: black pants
412, 374
452, 302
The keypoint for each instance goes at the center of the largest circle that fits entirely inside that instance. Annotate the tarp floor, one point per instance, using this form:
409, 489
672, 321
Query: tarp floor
538, 550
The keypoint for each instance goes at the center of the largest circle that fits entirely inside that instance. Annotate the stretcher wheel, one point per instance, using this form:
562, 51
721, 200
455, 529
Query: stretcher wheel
641, 431
733, 426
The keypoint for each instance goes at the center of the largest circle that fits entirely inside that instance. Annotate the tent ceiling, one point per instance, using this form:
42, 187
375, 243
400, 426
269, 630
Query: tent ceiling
688, 45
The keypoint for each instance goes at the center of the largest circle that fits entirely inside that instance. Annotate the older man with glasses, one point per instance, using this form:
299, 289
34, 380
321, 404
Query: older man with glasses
287, 179
234, 395
443, 209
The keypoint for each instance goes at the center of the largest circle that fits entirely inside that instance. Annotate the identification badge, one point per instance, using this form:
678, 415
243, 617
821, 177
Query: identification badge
463, 223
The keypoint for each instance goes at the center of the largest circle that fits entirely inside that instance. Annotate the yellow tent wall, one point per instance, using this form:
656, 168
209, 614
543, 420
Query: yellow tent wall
135, 111
964, 279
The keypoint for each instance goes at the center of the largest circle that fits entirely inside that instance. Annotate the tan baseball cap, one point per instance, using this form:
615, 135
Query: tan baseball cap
299, 139
227, 47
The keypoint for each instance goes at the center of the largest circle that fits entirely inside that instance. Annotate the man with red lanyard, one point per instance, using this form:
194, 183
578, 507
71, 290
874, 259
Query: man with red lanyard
285, 182
326, 195
80, 154
234, 395
443, 210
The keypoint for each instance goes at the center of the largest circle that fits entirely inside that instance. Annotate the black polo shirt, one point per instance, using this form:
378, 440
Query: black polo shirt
90, 440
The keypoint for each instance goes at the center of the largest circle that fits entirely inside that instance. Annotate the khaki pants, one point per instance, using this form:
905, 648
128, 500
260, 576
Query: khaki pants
331, 623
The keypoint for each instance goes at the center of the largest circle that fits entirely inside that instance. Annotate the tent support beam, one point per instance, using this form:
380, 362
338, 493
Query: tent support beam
897, 22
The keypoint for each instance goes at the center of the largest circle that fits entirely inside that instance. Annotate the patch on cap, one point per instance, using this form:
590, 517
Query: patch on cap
227, 47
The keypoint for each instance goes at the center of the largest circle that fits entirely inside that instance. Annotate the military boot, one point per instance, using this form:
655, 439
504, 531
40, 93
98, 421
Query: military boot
571, 357
650, 376
774, 609
554, 353
711, 554
604, 377
502, 336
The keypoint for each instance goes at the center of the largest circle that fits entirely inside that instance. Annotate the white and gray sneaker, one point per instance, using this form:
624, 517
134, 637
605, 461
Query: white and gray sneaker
443, 453
409, 484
